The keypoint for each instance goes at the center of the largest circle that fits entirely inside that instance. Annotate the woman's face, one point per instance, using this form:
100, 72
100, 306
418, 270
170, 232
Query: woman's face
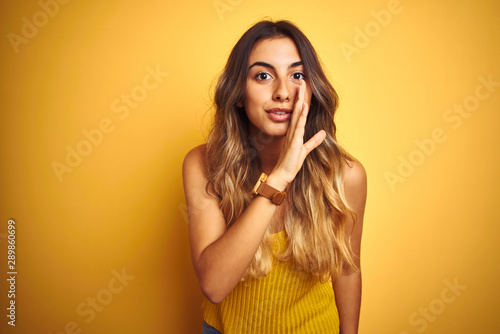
275, 69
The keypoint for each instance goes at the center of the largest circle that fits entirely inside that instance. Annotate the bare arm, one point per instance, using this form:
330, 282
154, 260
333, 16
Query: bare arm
220, 256
348, 286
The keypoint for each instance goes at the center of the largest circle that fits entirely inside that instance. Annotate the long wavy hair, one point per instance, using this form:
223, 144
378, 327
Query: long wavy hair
318, 241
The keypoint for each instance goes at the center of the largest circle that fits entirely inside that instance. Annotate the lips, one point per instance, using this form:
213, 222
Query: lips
279, 114
279, 110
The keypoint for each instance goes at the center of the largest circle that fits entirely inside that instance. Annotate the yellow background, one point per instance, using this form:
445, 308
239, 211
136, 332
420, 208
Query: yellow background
122, 207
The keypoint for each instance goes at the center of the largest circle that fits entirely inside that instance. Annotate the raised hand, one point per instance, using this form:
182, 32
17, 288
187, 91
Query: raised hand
294, 150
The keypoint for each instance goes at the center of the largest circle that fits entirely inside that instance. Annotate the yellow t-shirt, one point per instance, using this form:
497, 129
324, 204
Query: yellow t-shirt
285, 301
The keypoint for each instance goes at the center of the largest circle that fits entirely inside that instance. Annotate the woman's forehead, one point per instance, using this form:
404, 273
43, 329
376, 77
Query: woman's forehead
275, 51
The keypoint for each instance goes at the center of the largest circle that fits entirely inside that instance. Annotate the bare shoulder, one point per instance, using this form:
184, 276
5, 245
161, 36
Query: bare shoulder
355, 183
193, 174
354, 174
194, 159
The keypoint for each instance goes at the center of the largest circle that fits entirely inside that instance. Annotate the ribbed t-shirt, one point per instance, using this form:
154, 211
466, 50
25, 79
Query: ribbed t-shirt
285, 301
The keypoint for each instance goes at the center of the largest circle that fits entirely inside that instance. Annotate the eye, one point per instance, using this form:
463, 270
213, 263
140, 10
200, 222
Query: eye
262, 76
298, 76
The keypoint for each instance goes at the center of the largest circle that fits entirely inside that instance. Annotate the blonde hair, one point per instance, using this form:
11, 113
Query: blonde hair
315, 221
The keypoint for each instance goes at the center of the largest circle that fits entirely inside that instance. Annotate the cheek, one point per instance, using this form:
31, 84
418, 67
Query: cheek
255, 95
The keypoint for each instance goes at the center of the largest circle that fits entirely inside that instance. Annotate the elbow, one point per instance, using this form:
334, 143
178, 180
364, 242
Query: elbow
214, 285
213, 293
214, 288
214, 299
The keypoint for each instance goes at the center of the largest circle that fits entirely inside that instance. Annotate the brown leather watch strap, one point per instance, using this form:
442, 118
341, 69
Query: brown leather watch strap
267, 191
271, 193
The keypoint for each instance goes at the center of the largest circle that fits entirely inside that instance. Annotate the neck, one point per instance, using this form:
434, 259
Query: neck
268, 148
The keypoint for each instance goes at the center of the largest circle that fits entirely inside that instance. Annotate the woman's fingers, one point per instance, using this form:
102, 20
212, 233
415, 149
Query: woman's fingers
295, 150
298, 107
302, 120
315, 141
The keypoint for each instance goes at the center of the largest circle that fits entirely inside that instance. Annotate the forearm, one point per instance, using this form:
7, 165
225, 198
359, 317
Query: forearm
348, 298
222, 264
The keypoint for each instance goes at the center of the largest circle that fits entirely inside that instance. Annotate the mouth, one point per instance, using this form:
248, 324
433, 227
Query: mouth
279, 114
279, 111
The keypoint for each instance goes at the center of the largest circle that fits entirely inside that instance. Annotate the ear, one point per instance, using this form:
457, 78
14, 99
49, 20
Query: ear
240, 104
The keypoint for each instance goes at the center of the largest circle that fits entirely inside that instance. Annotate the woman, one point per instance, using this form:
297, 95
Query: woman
267, 250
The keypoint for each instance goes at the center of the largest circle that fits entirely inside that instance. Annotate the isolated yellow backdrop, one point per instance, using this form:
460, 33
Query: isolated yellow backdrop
100, 101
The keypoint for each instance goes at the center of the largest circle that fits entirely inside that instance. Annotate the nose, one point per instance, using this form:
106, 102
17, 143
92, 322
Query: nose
282, 92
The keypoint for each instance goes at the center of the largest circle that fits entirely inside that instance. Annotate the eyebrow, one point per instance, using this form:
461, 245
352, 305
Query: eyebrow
261, 63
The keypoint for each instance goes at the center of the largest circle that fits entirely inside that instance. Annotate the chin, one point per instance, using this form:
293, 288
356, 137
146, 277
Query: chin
277, 131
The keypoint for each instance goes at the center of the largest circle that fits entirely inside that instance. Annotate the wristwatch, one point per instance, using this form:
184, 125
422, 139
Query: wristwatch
265, 190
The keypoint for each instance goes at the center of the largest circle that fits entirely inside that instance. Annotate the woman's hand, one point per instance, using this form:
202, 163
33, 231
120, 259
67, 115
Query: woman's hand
294, 151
